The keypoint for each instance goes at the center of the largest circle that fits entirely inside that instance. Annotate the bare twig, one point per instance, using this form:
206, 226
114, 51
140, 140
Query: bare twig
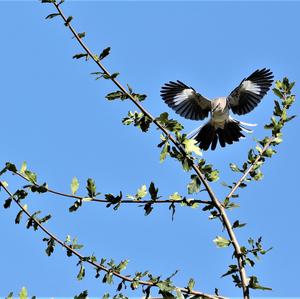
96, 265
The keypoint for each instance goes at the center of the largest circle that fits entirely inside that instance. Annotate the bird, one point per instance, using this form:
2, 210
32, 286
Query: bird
190, 104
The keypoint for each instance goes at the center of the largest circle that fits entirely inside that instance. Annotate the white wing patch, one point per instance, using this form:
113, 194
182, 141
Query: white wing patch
185, 101
250, 86
183, 96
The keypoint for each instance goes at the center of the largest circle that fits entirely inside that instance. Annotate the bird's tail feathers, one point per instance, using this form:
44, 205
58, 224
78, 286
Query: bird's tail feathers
243, 124
194, 133
207, 136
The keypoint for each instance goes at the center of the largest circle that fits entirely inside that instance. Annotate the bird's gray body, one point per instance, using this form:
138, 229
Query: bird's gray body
221, 126
219, 112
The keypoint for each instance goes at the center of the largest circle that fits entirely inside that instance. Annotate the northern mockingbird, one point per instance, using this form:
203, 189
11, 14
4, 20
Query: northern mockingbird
185, 101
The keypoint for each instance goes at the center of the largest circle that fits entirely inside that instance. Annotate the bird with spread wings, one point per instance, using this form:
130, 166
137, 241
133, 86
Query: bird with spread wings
186, 102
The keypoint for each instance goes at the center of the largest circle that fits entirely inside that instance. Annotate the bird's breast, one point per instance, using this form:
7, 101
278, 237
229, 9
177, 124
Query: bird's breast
219, 116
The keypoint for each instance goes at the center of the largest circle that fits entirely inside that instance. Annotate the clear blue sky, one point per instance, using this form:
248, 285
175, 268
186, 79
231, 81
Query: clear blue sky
54, 116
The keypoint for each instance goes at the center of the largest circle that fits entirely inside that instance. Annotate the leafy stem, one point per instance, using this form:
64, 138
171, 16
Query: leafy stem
93, 199
250, 168
98, 266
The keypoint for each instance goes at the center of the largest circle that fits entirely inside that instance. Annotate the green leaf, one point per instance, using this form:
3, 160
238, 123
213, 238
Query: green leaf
91, 188
278, 84
139, 97
139, 120
179, 294
278, 93
222, 242
212, 176
23, 293
69, 19
9, 296
50, 246
76, 205
175, 196
31, 176
108, 278
258, 176
237, 224
144, 123
232, 269
234, 167
81, 35
4, 184
74, 185
52, 15
7, 203
170, 124
80, 55
236, 280
104, 53
148, 208
289, 101
164, 152
81, 272
254, 284
112, 76
45, 219
153, 191
142, 192
23, 167
191, 147
113, 199
19, 215
191, 284
116, 95
251, 156
11, 167
269, 152
39, 188
187, 164
194, 185
122, 266
82, 295
164, 286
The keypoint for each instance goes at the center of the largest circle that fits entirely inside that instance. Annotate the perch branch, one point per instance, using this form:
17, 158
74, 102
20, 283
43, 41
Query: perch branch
96, 265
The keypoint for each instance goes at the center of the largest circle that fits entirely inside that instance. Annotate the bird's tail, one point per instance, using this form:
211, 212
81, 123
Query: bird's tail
208, 136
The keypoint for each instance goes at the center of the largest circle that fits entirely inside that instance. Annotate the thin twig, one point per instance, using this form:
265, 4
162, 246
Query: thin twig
250, 168
126, 201
96, 265
214, 199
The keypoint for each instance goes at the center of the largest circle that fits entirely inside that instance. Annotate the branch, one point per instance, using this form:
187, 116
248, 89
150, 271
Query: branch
222, 211
96, 265
250, 168
127, 201
283, 91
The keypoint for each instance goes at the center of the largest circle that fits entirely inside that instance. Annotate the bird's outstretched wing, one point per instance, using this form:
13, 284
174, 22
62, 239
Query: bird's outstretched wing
251, 90
185, 101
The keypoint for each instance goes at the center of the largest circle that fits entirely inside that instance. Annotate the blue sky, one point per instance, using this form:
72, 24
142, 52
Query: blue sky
55, 117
